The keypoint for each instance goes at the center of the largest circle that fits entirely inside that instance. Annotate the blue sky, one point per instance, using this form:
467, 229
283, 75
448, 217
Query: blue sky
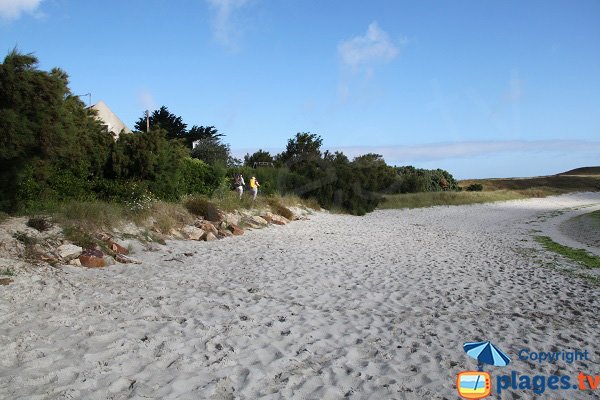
480, 88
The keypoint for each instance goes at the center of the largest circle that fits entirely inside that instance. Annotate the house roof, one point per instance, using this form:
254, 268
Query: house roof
113, 123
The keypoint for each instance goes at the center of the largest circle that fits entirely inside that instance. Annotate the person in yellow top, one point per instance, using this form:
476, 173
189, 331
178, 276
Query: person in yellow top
254, 185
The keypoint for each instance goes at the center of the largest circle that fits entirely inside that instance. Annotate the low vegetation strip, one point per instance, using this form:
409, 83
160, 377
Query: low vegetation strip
581, 256
429, 199
564, 183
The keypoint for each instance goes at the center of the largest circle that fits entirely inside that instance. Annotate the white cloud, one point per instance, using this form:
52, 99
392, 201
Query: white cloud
12, 9
440, 151
374, 47
224, 29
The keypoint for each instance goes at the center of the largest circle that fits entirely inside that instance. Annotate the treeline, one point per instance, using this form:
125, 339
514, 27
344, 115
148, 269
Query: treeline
52, 149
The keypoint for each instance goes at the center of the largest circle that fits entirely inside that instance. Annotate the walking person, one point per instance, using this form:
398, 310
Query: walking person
254, 185
239, 184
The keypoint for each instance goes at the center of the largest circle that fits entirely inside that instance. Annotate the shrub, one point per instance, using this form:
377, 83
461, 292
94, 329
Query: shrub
475, 187
201, 206
40, 223
280, 209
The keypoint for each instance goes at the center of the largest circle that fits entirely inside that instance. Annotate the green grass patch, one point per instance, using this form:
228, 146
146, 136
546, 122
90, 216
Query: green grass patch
7, 272
429, 199
581, 256
90, 215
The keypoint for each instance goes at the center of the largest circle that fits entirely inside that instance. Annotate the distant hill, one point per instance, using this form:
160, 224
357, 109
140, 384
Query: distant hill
576, 180
583, 171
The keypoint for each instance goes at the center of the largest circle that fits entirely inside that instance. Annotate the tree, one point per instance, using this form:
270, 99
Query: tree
375, 174
163, 119
303, 152
213, 152
259, 156
51, 146
200, 132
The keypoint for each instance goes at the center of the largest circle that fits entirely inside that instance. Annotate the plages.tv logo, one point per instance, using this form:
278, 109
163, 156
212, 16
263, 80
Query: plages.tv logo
478, 384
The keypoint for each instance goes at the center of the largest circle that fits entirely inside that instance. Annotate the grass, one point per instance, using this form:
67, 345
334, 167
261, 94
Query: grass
7, 272
581, 256
90, 215
229, 201
429, 199
556, 183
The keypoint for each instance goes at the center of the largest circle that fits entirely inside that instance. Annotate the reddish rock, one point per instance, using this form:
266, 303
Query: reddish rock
117, 248
92, 259
223, 233
236, 230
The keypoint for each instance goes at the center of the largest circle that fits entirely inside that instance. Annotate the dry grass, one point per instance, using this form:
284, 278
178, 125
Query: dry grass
90, 215
170, 215
429, 199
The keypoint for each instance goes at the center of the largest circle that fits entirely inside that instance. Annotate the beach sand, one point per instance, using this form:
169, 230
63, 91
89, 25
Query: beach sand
373, 307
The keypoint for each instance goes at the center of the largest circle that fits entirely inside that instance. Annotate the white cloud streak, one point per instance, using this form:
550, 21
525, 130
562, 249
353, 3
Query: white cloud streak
223, 26
374, 47
440, 151
12, 9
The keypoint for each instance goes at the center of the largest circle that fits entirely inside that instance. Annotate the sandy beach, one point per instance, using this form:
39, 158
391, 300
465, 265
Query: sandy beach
373, 307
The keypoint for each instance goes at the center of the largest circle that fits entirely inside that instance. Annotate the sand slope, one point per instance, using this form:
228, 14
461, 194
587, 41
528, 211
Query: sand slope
373, 307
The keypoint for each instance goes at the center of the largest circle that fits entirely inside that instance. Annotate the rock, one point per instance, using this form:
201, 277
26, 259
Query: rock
207, 226
209, 236
175, 233
126, 260
231, 218
260, 221
193, 232
75, 262
235, 230
92, 259
117, 248
275, 219
105, 237
223, 233
5, 281
68, 251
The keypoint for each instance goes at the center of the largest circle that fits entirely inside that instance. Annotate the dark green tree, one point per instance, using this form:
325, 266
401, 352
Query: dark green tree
164, 119
213, 152
201, 132
259, 156
51, 146
304, 148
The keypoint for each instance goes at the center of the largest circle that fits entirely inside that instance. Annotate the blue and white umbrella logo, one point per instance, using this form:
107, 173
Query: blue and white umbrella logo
486, 353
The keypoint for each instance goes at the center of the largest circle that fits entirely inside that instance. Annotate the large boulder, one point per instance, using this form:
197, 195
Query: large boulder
69, 251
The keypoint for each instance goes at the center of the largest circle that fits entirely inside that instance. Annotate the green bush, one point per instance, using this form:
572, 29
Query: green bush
474, 187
